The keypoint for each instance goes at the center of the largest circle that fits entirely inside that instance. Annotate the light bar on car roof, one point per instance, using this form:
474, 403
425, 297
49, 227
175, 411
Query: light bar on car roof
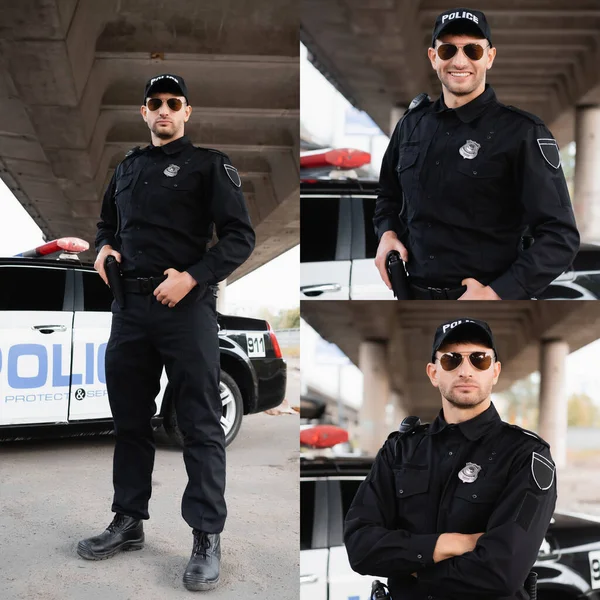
66, 244
343, 158
323, 436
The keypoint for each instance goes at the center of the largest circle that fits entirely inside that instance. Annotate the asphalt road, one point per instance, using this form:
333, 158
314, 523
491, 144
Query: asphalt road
54, 493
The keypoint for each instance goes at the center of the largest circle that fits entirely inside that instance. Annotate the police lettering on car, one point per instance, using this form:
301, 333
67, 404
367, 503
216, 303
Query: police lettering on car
467, 183
457, 508
157, 219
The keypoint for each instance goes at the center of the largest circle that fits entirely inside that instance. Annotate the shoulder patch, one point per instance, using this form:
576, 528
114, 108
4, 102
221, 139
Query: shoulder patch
549, 149
233, 174
542, 470
526, 114
529, 433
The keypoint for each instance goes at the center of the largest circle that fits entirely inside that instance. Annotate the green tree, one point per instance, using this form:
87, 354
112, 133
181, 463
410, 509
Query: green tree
583, 412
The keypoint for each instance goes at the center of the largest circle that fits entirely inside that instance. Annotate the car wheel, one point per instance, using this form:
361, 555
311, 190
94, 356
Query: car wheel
231, 419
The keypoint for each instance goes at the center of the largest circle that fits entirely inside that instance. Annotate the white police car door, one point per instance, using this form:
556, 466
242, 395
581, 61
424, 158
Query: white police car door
325, 236
35, 344
91, 330
365, 281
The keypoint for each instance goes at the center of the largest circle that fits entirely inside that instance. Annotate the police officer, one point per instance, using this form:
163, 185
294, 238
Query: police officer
464, 177
457, 509
157, 218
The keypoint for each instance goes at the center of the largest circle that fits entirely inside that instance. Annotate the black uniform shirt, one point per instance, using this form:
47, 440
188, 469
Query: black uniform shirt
413, 494
160, 208
464, 217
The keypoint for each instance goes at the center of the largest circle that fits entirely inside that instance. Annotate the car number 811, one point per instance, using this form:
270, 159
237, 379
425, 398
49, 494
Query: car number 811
595, 569
256, 345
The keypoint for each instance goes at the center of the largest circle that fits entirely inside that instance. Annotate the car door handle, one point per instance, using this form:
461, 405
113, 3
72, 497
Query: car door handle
317, 290
49, 328
308, 579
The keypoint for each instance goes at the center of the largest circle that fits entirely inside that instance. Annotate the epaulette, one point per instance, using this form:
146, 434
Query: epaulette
418, 429
420, 101
211, 150
529, 433
526, 114
133, 152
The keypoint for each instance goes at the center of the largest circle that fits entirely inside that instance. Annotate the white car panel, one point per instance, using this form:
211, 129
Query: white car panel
35, 360
330, 279
313, 574
344, 583
366, 283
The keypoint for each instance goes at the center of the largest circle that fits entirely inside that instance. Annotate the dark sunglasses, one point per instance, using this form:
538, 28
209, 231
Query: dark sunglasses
452, 360
472, 51
155, 103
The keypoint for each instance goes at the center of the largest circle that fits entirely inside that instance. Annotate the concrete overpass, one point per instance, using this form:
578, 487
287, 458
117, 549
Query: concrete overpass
375, 53
72, 74
391, 344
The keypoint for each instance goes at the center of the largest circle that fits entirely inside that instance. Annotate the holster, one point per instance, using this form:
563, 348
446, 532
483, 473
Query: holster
398, 276
113, 274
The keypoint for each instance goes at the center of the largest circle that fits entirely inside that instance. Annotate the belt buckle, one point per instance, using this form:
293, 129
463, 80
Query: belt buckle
436, 293
145, 285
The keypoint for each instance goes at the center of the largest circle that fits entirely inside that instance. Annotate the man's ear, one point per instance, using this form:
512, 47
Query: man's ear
143, 112
432, 374
432, 54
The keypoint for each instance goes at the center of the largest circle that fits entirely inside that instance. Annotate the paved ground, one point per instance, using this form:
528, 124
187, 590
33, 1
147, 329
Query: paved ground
53, 493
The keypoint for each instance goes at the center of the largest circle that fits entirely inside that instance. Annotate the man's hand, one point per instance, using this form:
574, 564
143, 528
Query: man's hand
454, 544
176, 286
389, 241
478, 291
99, 264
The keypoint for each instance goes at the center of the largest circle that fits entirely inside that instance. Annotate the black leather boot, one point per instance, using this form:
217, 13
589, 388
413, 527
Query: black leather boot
124, 533
202, 572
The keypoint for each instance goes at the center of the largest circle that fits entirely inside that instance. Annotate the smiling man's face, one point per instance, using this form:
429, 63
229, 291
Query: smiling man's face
460, 75
465, 386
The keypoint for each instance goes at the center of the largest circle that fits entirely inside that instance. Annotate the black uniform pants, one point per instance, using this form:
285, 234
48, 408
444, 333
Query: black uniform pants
146, 335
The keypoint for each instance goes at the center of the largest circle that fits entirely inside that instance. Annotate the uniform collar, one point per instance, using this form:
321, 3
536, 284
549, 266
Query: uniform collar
472, 429
471, 110
173, 147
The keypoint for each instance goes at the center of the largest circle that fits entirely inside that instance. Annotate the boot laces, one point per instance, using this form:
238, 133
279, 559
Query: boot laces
201, 543
117, 522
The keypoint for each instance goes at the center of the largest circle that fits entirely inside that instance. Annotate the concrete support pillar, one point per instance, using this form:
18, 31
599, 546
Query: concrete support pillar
397, 412
587, 165
395, 115
553, 400
221, 296
372, 361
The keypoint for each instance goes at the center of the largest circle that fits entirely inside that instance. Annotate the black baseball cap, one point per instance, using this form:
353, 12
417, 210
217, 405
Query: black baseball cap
446, 332
166, 83
472, 19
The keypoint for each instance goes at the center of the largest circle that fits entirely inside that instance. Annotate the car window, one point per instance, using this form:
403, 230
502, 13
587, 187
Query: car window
319, 221
348, 489
371, 241
96, 294
307, 513
314, 515
32, 288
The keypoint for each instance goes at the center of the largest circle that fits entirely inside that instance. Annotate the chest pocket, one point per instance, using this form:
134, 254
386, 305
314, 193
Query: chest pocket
485, 170
408, 177
123, 187
472, 505
179, 184
411, 481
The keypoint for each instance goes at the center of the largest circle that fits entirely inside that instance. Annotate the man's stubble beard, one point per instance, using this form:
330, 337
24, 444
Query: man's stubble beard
162, 134
446, 82
475, 399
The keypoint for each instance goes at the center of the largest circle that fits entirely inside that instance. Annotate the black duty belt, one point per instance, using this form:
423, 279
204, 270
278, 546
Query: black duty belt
142, 285
433, 293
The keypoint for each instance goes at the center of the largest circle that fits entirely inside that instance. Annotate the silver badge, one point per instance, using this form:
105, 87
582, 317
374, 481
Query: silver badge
470, 149
469, 473
171, 170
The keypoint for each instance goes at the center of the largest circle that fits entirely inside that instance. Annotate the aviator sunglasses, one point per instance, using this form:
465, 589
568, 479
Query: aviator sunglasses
452, 360
472, 51
155, 103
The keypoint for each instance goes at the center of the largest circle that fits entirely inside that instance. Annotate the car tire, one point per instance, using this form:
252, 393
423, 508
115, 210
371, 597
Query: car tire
233, 411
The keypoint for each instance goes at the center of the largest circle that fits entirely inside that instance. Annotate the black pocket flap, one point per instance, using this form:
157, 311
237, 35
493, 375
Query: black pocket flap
407, 158
411, 481
122, 184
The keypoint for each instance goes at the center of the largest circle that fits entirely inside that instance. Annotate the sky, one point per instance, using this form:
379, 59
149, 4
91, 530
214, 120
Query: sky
275, 285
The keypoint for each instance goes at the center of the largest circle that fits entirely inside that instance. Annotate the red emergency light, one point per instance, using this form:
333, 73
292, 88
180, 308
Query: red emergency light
66, 244
343, 158
323, 436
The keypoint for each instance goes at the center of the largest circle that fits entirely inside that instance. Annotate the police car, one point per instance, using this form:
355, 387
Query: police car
338, 243
568, 564
55, 322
